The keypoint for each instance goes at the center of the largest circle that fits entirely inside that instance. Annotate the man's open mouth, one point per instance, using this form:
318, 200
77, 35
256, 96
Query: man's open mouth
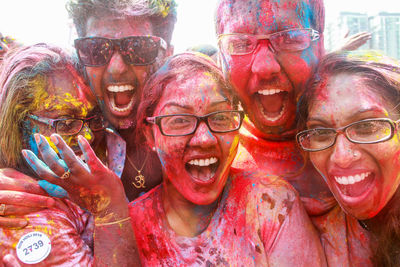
122, 98
202, 170
273, 103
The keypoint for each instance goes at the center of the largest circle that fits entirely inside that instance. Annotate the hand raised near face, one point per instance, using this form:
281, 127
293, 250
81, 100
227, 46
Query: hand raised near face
20, 195
354, 41
91, 185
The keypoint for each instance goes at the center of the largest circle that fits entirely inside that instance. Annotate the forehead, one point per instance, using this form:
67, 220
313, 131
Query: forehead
198, 89
63, 93
345, 95
118, 26
258, 16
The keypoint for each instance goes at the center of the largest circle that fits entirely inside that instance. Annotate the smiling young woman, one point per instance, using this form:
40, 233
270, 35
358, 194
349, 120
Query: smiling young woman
351, 115
206, 212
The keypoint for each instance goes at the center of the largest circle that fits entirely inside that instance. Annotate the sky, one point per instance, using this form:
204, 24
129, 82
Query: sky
32, 21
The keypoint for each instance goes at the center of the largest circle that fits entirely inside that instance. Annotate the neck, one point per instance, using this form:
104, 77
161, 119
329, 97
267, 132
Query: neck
185, 217
283, 136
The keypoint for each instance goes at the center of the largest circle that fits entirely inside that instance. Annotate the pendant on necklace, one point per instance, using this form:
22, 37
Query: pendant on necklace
139, 181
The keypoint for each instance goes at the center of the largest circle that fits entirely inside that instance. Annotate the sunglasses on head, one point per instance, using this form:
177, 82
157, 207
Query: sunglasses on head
135, 50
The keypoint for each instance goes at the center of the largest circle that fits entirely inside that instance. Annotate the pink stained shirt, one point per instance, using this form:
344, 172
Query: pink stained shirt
65, 228
345, 242
284, 158
258, 222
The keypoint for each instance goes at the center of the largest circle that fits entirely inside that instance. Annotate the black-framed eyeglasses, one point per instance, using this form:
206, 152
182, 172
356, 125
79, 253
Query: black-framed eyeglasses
288, 40
72, 126
369, 131
186, 124
135, 50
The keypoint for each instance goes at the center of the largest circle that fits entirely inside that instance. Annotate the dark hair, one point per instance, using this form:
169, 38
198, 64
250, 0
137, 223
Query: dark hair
317, 14
161, 13
185, 65
382, 75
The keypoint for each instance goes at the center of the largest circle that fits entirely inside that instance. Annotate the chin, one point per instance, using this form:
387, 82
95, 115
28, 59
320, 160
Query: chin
203, 198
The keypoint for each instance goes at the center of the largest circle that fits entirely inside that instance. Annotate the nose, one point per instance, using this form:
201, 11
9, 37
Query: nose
345, 153
203, 137
87, 133
264, 63
117, 66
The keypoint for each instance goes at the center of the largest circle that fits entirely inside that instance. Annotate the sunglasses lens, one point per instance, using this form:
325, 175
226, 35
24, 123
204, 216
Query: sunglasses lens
94, 51
140, 50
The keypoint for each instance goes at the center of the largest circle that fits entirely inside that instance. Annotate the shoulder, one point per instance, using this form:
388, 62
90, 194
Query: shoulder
268, 196
259, 183
146, 207
146, 198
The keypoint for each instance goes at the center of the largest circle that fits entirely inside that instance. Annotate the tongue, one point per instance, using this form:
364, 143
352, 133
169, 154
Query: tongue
122, 98
273, 104
357, 189
201, 173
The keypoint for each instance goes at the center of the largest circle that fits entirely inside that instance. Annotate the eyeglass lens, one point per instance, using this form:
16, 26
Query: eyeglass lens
186, 124
74, 126
96, 123
69, 126
362, 132
135, 50
239, 44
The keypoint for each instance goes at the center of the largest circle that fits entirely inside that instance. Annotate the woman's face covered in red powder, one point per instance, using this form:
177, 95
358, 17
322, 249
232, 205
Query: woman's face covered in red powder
197, 165
363, 177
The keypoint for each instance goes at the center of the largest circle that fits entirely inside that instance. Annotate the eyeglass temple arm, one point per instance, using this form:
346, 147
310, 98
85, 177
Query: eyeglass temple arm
42, 120
151, 120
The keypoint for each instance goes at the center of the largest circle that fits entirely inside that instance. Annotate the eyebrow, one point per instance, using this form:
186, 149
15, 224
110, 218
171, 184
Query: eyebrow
176, 104
356, 115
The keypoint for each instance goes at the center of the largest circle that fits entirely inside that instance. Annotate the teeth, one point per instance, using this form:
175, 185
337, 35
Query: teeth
203, 162
269, 91
120, 88
345, 180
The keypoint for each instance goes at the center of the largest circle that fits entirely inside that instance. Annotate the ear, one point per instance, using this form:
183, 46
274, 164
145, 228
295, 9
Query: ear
170, 51
148, 133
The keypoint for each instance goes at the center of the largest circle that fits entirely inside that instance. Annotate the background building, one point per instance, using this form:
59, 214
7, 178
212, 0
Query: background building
384, 27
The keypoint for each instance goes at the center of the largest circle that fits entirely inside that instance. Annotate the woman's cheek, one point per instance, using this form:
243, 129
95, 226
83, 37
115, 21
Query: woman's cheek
318, 161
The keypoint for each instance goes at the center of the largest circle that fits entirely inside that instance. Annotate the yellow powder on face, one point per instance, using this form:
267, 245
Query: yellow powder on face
64, 102
39, 84
87, 135
68, 98
55, 102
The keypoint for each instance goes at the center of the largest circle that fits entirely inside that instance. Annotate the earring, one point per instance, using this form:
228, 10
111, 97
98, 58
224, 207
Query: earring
153, 148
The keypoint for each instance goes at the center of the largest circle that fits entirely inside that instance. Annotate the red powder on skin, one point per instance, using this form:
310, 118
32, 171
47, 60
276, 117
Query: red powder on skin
244, 229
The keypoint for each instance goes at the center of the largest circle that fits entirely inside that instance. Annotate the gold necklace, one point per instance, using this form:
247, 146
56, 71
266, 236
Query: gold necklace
139, 178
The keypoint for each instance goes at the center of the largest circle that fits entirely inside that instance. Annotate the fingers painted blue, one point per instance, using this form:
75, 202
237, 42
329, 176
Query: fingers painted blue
38, 166
52, 189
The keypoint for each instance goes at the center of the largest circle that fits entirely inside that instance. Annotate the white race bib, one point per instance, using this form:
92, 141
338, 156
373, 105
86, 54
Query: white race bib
33, 247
